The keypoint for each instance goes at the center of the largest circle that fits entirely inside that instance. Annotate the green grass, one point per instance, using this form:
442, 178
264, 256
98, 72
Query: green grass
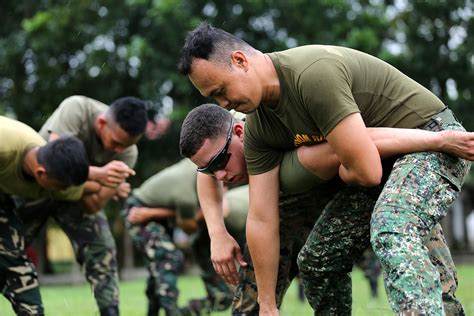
77, 300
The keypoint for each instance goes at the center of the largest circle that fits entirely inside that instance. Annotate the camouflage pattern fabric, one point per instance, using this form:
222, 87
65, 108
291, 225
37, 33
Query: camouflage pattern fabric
219, 294
417, 195
440, 257
298, 214
336, 242
154, 241
92, 241
18, 277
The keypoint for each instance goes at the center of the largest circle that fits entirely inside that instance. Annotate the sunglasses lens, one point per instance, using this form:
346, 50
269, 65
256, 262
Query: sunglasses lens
218, 163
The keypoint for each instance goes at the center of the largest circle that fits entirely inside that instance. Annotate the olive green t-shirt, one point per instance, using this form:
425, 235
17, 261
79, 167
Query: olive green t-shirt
173, 187
321, 85
238, 200
16, 140
76, 116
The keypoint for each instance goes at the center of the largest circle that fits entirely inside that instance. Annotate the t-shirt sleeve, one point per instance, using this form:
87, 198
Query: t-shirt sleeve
70, 194
259, 156
325, 89
69, 119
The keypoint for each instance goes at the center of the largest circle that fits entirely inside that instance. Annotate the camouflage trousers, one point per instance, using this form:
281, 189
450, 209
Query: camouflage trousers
338, 240
405, 234
326, 232
155, 242
92, 241
416, 196
298, 214
219, 294
18, 277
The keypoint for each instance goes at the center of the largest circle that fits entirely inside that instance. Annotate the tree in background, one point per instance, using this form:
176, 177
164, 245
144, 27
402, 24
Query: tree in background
105, 49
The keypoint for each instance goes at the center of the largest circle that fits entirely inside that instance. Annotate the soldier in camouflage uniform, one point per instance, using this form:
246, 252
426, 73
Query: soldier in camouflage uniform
298, 214
165, 200
32, 169
109, 134
329, 95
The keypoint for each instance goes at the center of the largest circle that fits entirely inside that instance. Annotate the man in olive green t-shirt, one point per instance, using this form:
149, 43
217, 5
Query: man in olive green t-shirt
169, 199
31, 168
217, 142
317, 93
109, 134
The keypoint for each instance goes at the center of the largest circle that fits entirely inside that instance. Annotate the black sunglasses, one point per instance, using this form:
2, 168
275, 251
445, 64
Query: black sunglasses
220, 160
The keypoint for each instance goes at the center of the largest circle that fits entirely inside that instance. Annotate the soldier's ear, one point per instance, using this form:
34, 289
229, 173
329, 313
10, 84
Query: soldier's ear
239, 59
238, 130
40, 171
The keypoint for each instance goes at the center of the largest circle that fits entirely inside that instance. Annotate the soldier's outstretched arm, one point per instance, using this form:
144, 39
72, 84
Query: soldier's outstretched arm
322, 160
225, 250
263, 236
94, 202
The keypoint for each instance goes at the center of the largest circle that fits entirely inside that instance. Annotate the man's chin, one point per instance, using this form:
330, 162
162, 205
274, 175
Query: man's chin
245, 111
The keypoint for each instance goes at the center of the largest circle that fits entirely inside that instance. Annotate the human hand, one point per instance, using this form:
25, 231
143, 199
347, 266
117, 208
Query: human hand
113, 173
138, 215
458, 143
225, 252
123, 191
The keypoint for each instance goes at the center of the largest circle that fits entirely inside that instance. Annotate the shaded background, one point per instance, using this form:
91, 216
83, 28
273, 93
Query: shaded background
50, 50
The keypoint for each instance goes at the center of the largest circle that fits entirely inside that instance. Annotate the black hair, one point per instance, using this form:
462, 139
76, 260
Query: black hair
209, 43
130, 114
65, 160
207, 121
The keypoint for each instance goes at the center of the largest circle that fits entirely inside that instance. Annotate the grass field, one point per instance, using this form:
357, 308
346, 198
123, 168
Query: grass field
77, 300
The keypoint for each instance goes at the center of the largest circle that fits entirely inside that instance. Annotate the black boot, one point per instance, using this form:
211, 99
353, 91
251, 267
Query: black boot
109, 311
374, 288
153, 308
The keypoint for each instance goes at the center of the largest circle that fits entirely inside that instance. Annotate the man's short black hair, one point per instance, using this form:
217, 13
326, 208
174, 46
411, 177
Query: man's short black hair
209, 43
130, 113
207, 121
65, 160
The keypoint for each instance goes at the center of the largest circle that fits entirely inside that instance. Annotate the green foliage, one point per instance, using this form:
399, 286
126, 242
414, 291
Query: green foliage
106, 49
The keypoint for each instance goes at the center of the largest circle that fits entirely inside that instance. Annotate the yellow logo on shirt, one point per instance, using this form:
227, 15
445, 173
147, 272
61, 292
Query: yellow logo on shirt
305, 139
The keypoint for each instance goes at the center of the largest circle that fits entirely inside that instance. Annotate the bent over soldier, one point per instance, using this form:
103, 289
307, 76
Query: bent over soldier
30, 168
109, 134
166, 200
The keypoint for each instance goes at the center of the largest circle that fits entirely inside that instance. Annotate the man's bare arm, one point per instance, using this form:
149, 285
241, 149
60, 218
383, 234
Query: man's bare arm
112, 174
322, 160
96, 201
143, 215
360, 160
225, 250
396, 141
263, 238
